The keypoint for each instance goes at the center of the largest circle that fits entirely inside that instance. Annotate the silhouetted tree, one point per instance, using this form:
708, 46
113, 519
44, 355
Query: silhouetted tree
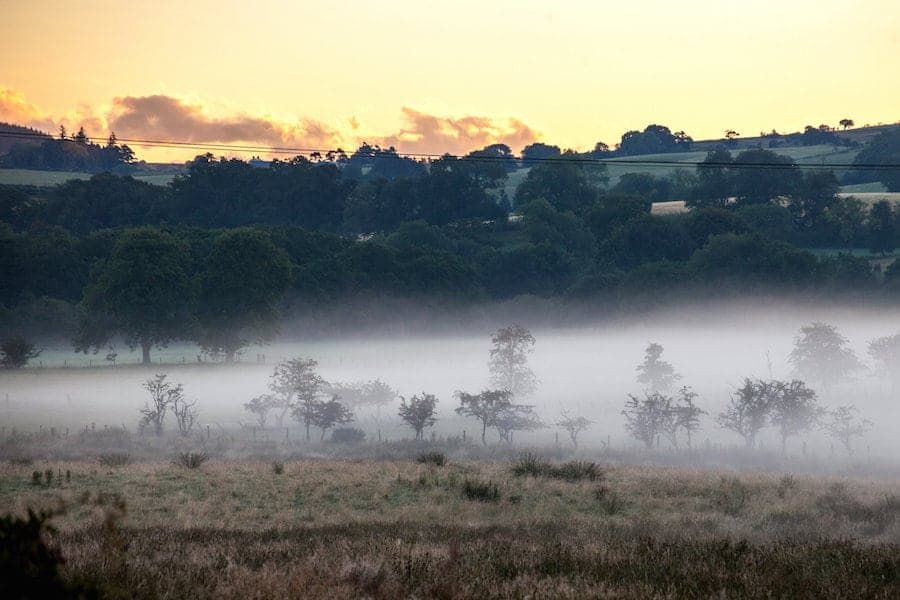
654, 372
821, 354
328, 413
260, 406
418, 412
243, 279
163, 395
573, 426
794, 410
845, 425
143, 292
882, 228
16, 351
486, 407
508, 362
648, 417
515, 417
298, 389
846, 123
748, 409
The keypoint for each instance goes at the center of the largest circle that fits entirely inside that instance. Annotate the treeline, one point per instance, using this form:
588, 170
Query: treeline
374, 225
68, 153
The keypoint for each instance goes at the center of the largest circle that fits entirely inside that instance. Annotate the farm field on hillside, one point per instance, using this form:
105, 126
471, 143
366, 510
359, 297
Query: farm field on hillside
51, 178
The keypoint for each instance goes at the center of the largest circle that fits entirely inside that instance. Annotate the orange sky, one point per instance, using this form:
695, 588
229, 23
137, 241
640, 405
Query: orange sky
436, 76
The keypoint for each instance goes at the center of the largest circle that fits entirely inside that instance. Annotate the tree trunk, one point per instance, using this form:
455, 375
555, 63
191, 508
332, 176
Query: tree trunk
145, 353
483, 432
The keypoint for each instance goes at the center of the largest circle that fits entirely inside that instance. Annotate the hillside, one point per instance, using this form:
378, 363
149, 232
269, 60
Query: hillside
12, 136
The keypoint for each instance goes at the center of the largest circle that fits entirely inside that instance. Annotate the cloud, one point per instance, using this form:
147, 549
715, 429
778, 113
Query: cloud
15, 109
162, 117
431, 134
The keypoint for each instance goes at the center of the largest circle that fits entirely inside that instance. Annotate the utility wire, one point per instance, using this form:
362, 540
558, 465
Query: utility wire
174, 144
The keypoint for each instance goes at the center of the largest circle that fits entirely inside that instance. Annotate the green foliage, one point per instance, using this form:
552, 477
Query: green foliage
143, 292
244, 278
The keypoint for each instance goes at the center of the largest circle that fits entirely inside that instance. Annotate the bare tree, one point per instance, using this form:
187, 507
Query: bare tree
654, 372
185, 413
485, 407
162, 395
748, 410
261, 406
794, 409
845, 425
821, 355
418, 412
509, 360
573, 426
328, 413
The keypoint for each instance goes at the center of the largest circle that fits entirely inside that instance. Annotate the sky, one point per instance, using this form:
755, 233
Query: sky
444, 76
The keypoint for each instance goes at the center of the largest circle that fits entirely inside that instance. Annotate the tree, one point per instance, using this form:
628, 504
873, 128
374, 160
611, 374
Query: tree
515, 417
297, 382
846, 123
260, 406
143, 292
418, 412
185, 414
565, 184
845, 425
244, 278
748, 409
815, 194
882, 228
573, 426
16, 351
761, 176
508, 362
687, 414
821, 354
80, 137
163, 396
485, 407
328, 413
648, 417
885, 351
715, 180
654, 372
731, 134
794, 410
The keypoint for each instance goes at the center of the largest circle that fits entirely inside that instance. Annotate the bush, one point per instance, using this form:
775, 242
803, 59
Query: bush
731, 496
114, 459
481, 491
610, 502
16, 351
348, 435
191, 460
432, 458
530, 465
28, 566
278, 467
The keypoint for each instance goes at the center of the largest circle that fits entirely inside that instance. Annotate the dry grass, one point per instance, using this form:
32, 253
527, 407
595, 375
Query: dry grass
395, 529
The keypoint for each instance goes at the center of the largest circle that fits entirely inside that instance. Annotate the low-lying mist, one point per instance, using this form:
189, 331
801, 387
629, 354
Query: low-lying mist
586, 370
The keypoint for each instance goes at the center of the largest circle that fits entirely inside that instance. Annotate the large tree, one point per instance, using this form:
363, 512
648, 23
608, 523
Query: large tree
142, 293
244, 278
821, 355
509, 360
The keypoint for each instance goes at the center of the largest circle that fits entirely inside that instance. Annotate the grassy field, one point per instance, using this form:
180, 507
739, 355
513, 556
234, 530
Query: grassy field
51, 178
326, 528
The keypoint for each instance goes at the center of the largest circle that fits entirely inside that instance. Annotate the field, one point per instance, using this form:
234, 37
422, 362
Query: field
387, 529
51, 178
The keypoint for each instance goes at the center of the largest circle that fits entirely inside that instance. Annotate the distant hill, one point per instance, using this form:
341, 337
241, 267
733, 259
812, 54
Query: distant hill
8, 141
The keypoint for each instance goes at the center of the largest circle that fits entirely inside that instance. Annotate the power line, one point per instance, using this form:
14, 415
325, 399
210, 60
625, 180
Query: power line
175, 144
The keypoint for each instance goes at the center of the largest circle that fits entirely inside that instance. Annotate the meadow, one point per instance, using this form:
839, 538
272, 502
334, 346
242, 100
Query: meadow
472, 529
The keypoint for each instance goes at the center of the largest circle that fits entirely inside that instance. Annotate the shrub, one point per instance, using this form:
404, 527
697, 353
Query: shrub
610, 502
348, 435
278, 467
731, 496
481, 491
191, 460
114, 459
432, 458
28, 566
530, 465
